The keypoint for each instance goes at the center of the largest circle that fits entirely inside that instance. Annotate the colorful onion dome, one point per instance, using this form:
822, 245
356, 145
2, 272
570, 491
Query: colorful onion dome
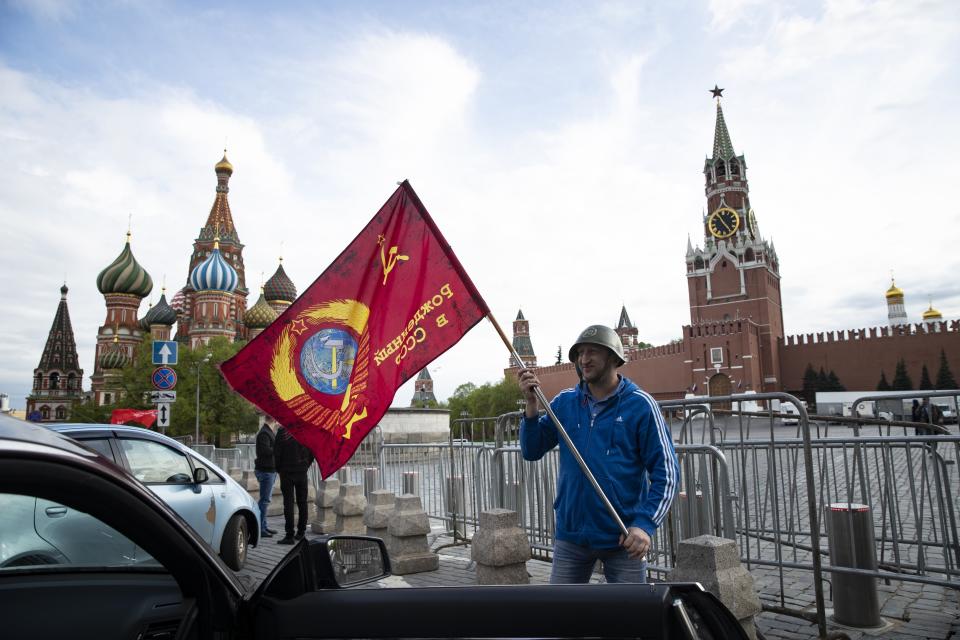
224, 165
894, 291
114, 356
214, 274
179, 300
160, 313
932, 314
260, 315
125, 275
279, 286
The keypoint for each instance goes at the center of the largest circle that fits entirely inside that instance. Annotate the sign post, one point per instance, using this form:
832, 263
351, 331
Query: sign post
165, 352
163, 415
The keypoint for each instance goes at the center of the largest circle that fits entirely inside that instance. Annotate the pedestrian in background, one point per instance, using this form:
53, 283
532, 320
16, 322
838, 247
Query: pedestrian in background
293, 460
265, 470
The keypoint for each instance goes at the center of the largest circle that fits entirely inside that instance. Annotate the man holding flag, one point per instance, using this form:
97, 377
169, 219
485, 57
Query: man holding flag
622, 437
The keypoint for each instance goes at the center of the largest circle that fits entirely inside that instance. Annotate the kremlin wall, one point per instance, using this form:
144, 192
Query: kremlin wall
735, 341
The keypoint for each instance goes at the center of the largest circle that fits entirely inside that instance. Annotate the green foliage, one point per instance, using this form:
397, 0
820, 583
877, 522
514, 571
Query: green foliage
89, 412
945, 379
883, 385
222, 412
833, 382
489, 400
925, 383
811, 384
901, 379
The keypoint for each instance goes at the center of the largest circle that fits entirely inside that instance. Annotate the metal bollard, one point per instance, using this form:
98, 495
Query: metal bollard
850, 538
371, 481
694, 519
411, 483
455, 506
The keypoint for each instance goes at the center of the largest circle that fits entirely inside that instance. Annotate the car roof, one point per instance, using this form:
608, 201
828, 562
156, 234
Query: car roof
23, 431
75, 429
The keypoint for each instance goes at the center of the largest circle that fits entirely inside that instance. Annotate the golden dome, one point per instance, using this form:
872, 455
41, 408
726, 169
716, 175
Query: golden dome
894, 291
224, 164
932, 314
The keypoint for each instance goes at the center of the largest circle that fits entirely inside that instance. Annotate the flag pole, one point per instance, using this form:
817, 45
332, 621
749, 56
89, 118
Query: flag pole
563, 432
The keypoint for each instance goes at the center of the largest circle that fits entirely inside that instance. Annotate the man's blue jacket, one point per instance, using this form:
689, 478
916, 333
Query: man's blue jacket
628, 448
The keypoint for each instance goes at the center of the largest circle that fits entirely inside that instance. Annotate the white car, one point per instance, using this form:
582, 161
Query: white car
209, 500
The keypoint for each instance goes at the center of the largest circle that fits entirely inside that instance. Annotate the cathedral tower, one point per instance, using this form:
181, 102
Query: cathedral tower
58, 379
219, 226
124, 284
259, 316
423, 391
213, 283
735, 276
279, 291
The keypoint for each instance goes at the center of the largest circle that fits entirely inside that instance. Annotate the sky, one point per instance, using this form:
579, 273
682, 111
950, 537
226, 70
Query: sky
558, 145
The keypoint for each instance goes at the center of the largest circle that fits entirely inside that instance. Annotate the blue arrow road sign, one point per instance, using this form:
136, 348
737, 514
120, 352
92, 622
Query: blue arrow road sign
165, 351
164, 378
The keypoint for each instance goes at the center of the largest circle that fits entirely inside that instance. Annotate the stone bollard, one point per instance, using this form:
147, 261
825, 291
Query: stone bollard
326, 520
715, 563
408, 528
343, 474
248, 480
349, 507
500, 549
377, 514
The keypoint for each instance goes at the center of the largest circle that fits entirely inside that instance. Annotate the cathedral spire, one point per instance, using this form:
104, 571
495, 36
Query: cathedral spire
57, 380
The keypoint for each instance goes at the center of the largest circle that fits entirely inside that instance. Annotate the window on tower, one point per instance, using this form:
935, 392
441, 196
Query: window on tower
734, 168
721, 170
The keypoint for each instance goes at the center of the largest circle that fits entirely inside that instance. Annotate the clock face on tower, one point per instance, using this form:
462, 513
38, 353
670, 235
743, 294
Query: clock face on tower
723, 222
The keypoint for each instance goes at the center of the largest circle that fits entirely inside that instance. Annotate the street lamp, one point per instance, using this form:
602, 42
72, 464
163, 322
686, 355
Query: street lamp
197, 366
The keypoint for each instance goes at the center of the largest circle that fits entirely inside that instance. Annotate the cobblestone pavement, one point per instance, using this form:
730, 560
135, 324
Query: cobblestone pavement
913, 610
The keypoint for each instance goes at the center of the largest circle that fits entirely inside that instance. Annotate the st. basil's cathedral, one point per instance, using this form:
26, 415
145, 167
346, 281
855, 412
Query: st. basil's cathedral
212, 303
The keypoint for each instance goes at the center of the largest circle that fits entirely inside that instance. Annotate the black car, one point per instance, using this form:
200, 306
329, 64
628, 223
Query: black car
175, 586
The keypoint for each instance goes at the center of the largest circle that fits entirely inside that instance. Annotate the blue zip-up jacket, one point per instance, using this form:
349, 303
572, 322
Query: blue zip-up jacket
628, 448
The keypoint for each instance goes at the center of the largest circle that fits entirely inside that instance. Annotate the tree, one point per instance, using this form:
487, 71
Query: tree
901, 379
945, 379
925, 383
222, 412
811, 385
559, 355
823, 381
486, 401
883, 385
833, 382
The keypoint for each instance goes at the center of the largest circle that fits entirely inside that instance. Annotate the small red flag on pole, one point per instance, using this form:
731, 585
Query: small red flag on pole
391, 302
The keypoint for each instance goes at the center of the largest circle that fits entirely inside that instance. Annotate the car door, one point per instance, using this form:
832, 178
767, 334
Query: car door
82, 539
168, 473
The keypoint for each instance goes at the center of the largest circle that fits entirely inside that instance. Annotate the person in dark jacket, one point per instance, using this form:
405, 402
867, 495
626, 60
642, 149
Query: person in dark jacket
293, 460
265, 469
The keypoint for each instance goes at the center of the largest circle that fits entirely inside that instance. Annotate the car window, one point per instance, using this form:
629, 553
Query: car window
214, 476
101, 445
152, 462
39, 533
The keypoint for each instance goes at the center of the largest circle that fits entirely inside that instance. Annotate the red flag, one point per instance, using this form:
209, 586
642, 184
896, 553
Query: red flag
146, 417
392, 301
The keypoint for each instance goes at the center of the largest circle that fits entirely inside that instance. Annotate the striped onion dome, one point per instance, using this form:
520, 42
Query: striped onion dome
125, 275
179, 300
160, 313
114, 356
214, 274
279, 286
260, 315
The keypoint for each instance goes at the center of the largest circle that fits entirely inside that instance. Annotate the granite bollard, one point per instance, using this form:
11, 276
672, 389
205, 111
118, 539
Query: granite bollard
715, 563
377, 514
501, 549
349, 507
407, 544
326, 520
